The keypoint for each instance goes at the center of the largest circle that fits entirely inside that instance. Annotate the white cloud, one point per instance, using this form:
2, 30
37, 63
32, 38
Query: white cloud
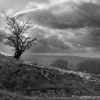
32, 5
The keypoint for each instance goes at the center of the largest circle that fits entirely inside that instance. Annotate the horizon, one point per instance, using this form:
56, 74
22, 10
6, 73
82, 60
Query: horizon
55, 54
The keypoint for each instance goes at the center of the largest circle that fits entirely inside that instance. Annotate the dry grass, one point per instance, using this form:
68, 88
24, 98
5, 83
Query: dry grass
4, 95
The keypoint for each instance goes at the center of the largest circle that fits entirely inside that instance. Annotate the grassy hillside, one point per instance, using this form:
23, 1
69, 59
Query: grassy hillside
4, 95
32, 81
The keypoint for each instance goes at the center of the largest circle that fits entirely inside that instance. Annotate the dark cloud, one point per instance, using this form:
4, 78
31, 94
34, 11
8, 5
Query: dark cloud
91, 14
80, 40
86, 14
90, 38
43, 18
47, 19
94, 37
49, 44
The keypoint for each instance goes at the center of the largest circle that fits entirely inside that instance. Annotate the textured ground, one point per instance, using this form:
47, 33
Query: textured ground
54, 84
4, 95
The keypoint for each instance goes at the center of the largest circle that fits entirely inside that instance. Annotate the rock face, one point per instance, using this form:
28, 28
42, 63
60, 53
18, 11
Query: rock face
27, 79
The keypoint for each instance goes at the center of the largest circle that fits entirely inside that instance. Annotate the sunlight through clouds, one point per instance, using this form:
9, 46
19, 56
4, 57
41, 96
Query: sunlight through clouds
63, 25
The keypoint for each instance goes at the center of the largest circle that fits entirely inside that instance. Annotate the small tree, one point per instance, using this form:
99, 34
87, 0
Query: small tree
60, 63
17, 28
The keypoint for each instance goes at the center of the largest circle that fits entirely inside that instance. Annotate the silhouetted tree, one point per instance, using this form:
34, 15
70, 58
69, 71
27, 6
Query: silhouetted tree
17, 28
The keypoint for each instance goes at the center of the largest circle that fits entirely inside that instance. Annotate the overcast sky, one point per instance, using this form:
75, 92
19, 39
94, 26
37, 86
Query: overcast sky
61, 26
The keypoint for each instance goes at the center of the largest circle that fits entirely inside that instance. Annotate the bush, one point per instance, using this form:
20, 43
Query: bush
60, 64
90, 66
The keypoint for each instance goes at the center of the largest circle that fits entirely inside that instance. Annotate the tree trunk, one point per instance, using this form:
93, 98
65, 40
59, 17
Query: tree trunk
17, 55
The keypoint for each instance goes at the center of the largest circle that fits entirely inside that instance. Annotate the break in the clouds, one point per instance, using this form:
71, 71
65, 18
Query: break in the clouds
61, 26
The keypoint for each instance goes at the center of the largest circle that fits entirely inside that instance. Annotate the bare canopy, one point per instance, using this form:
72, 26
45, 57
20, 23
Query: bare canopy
17, 28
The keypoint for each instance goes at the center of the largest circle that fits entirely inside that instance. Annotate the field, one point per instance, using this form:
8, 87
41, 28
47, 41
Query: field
48, 59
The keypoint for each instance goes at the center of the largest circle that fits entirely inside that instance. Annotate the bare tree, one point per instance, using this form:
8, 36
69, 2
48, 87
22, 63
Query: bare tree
17, 28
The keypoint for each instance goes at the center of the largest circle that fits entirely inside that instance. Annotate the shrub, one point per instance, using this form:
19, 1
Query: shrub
60, 64
90, 66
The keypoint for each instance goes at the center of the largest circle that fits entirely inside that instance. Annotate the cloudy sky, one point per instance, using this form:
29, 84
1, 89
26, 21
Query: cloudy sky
60, 26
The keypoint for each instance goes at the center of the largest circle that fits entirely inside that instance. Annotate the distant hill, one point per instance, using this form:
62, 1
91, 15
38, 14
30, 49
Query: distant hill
48, 59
